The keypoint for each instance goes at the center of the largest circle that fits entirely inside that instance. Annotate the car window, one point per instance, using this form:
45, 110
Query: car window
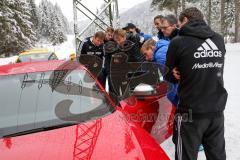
52, 57
46, 99
35, 57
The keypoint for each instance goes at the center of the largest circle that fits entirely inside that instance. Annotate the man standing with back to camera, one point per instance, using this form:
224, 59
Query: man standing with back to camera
196, 61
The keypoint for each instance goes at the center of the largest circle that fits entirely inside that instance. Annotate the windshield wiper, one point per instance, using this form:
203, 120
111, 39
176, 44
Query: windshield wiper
41, 129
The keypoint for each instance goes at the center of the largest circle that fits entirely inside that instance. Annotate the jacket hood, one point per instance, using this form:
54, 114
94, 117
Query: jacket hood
174, 34
196, 28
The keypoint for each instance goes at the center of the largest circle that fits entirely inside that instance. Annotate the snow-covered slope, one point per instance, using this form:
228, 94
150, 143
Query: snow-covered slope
142, 15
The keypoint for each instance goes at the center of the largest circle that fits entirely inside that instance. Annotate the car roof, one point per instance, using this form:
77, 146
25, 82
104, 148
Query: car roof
34, 51
30, 67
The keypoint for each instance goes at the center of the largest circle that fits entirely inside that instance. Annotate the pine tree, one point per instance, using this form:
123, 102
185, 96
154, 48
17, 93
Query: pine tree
230, 17
223, 17
168, 4
237, 12
45, 18
209, 12
183, 5
216, 16
53, 25
63, 20
33, 13
57, 34
16, 28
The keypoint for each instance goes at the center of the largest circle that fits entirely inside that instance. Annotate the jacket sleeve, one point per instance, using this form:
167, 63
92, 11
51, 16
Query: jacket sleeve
171, 60
134, 54
82, 48
160, 56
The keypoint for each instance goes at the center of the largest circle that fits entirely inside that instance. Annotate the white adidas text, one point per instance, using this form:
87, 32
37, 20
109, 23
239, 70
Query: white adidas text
210, 53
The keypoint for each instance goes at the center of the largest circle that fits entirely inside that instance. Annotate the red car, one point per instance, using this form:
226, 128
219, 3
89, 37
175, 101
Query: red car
41, 117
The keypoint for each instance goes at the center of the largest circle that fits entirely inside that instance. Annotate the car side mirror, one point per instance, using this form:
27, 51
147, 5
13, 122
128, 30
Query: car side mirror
142, 90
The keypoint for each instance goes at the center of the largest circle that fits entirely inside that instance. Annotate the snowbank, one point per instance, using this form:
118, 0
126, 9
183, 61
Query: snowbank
9, 60
233, 48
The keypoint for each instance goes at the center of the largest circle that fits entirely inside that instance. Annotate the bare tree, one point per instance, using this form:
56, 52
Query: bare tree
172, 5
183, 5
237, 12
223, 17
209, 12
176, 8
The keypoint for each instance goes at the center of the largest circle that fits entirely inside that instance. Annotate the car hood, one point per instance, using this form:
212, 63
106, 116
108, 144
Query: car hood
111, 137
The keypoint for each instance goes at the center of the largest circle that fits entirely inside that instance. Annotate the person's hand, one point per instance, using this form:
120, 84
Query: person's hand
176, 73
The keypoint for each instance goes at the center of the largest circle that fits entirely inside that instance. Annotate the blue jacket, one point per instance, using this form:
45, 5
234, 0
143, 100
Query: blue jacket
159, 56
145, 36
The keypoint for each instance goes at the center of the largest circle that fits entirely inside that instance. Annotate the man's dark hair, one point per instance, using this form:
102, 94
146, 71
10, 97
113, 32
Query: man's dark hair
100, 35
191, 13
158, 17
171, 19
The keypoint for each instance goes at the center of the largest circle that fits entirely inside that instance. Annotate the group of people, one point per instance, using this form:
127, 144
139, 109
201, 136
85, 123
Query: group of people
194, 55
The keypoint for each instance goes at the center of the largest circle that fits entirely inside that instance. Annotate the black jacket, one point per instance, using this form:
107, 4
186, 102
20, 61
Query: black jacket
87, 47
110, 48
199, 53
174, 34
160, 35
129, 48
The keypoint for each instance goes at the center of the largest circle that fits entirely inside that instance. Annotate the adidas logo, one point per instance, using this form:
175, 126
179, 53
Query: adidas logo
208, 49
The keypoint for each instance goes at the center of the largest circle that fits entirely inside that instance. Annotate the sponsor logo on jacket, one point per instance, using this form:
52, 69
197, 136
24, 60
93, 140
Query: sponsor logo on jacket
205, 54
208, 50
207, 65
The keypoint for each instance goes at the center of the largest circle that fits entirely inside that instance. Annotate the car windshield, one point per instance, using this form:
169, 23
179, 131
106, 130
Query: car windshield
35, 57
44, 99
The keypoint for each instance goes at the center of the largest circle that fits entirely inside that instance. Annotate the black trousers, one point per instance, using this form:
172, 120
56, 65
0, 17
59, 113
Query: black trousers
189, 135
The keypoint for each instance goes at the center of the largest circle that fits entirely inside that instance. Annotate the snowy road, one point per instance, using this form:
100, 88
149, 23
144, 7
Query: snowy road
232, 112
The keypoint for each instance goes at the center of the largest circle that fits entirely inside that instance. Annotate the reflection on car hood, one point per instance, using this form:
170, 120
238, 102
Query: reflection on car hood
111, 137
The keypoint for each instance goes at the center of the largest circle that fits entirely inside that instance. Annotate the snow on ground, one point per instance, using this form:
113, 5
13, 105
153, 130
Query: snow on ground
64, 50
9, 60
232, 112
